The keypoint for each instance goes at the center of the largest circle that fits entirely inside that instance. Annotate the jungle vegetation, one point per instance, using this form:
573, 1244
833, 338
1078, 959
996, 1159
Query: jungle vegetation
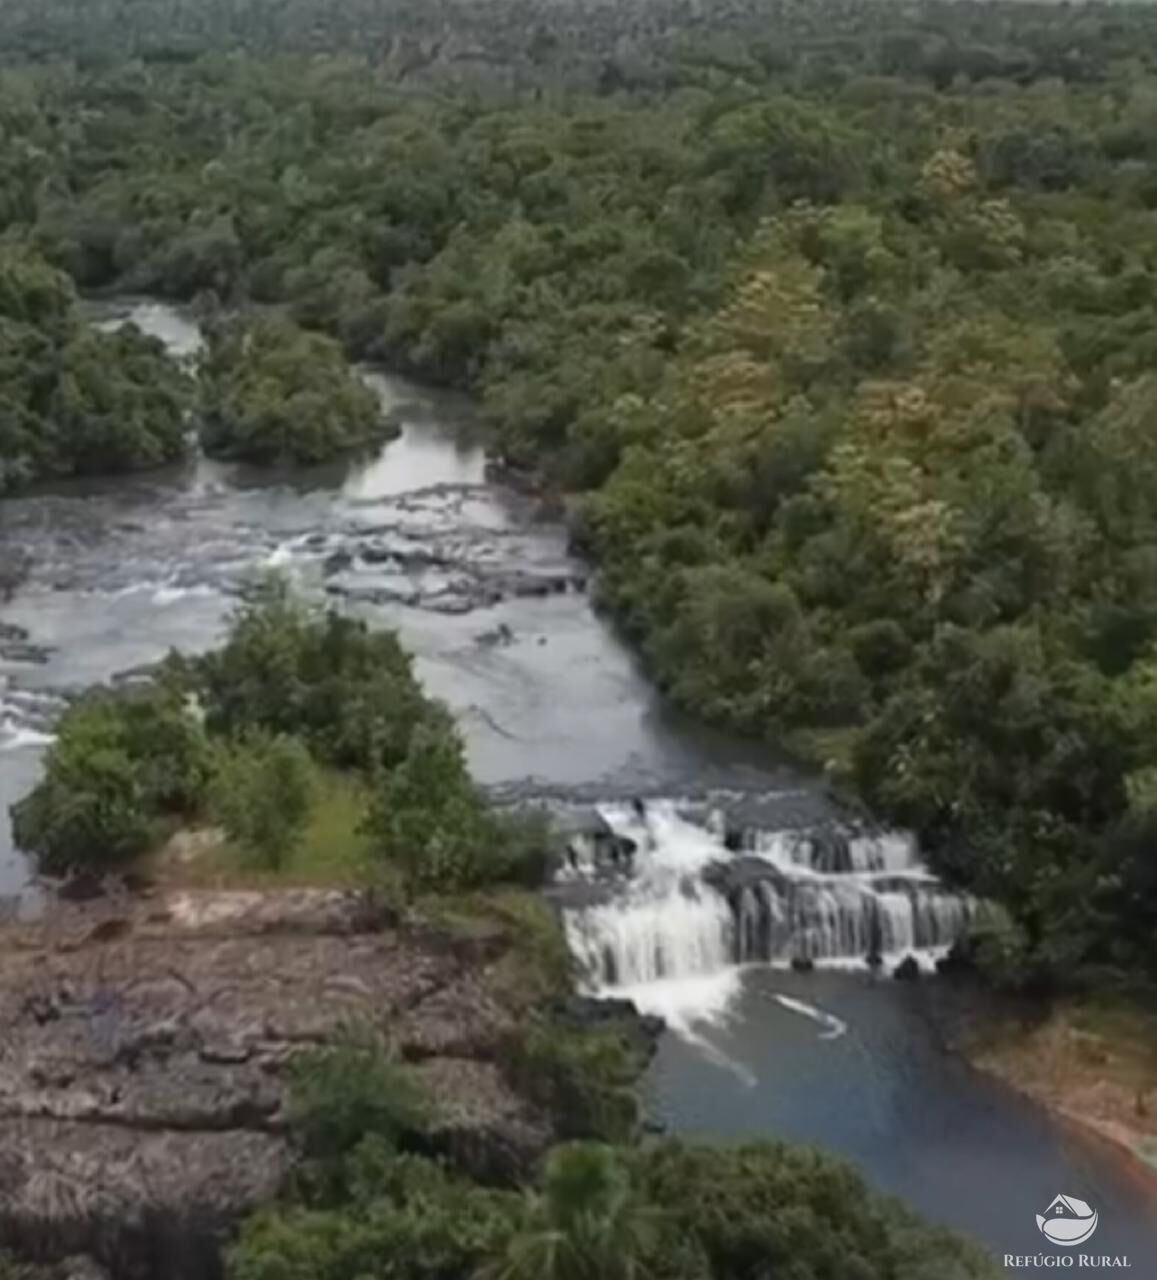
239, 738
837, 320
75, 401
373, 1202
271, 392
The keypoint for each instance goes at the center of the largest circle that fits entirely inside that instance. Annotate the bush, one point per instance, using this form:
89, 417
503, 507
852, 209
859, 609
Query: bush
408, 1219
349, 693
584, 1077
273, 393
427, 820
75, 401
262, 794
765, 1208
351, 1091
121, 766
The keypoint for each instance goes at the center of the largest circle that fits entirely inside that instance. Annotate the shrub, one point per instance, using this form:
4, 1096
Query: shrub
353, 1090
122, 764
765, 1208
273, 393
427, 820
347, 691
409, 1220
583, 1076
262, 794
76, 401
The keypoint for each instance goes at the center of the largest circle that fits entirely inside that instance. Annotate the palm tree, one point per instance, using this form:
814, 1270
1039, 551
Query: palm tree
586, 1224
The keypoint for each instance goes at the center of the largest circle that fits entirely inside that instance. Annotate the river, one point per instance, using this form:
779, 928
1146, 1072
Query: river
481, 586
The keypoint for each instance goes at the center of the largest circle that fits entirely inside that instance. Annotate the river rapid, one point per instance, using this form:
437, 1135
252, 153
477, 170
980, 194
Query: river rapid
479, 582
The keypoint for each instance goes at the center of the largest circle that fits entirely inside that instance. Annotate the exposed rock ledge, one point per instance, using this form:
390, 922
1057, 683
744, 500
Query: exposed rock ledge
142, 1054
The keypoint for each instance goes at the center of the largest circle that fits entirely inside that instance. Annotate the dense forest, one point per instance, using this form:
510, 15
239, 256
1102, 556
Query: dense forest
835, 325
836, 320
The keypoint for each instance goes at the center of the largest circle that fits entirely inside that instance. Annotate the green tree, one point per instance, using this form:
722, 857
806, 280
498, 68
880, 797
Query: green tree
122, 766
262, 794
273, 393
427, 820
347, 691
346, 1093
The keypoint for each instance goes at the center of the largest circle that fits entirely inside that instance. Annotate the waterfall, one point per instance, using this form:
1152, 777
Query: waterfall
697, 904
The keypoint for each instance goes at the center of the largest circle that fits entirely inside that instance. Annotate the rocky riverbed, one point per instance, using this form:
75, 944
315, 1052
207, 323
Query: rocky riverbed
143, 1052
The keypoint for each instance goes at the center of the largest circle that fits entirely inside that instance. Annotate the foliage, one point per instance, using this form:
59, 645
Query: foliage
537, 966
672, 1211
582, 1075
766, 1208
123, 764
347, 691
847, 342
76, 401
236, 736
427, 821
262, 795
273, 393
586, 1223
409, 1220
350, 1091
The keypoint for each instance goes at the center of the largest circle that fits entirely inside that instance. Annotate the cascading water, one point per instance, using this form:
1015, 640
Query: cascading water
697, 905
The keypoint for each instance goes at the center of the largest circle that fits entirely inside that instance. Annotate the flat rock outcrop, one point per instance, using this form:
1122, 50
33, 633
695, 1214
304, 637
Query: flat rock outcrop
143, 1046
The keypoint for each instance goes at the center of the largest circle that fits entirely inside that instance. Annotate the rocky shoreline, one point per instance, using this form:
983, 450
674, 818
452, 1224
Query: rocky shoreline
1094, 1072
143, 1046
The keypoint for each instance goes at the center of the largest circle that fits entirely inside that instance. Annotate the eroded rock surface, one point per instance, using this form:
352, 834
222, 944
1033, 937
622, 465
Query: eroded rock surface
143, 1047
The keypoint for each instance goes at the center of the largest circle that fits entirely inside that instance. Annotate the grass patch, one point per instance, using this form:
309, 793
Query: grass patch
538, 963
331, 852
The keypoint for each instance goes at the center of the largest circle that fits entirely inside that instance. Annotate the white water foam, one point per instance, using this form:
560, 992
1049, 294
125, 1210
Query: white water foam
676, 942
666, 943
167, 595
19, 737
833, 1027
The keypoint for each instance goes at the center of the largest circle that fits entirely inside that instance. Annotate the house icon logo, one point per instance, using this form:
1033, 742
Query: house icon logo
1067, 1221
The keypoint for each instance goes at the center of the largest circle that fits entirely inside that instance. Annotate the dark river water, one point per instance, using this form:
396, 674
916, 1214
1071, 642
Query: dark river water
480, 585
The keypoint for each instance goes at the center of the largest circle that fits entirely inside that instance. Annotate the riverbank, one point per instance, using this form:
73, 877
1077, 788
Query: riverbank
1091, 1065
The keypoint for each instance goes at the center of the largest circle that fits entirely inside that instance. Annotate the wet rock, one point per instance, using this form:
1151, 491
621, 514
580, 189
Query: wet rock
584, 1013
874, 960
23, 651
371, 554
908, 970
588, 837
955, 963
744, 872
802, 964
14, 569
337, 562
500, 635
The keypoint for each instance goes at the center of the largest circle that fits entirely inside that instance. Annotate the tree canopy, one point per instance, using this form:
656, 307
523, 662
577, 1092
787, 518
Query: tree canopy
75, 401
273, 393
839, 319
